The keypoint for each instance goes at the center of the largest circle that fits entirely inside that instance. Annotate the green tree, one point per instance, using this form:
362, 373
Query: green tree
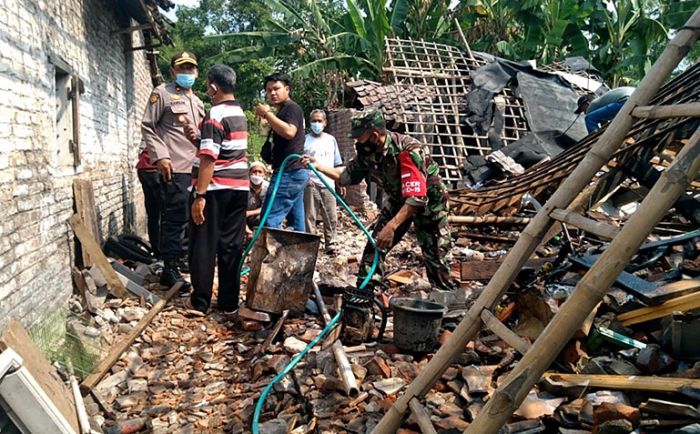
331, 43
624, 33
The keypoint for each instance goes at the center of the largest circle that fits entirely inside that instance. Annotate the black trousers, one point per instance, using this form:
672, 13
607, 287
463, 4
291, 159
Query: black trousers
220, 239
173, 220
153, 201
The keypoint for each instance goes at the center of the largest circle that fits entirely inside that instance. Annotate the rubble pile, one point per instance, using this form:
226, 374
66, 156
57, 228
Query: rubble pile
628, 368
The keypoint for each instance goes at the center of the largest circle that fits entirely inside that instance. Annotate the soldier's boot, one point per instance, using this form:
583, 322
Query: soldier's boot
171, 275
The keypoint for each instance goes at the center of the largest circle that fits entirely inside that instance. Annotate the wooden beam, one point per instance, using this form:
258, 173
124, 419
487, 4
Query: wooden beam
682, 304
76, 90
85, 207
667, 111
120, 347
503, 332
131, 29
484, 270
422, 417
621, 382
115, 286
603, 230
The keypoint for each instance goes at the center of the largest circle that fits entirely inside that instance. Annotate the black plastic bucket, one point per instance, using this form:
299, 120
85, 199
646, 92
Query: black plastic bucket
416, 323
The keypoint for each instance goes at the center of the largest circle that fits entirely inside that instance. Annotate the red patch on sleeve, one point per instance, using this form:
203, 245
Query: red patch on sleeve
412, 180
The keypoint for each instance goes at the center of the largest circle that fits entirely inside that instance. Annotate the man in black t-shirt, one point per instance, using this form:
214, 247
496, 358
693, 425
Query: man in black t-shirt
287, 138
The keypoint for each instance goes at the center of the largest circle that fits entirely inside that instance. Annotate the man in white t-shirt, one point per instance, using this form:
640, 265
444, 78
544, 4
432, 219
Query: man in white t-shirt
324, 148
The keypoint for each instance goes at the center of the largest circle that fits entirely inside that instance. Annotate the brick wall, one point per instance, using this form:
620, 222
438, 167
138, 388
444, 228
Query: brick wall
36, 244
339, 126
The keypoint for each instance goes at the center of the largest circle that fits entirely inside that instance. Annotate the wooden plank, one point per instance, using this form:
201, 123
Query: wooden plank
118, 349
602, 230
621, 382
682, 303
15, 336
484, 270
85, 208
88, 243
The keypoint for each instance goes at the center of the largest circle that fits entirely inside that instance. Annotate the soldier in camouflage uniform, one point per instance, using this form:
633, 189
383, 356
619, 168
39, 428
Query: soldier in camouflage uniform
414, 193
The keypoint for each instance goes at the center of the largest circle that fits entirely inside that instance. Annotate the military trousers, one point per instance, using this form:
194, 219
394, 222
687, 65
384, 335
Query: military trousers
434, 238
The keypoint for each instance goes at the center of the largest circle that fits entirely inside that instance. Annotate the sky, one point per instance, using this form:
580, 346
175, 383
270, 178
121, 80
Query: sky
171, 13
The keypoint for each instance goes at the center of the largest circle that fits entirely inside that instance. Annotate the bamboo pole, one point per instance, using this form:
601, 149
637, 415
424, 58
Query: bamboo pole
532, 235
667, 111
507, 335
80, 407
422, 417
464, 39
603, 230
344, 368
589, 291
487, 220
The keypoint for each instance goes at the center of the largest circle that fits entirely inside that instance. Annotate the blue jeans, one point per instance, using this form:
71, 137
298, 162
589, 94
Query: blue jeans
603, 114
289, 200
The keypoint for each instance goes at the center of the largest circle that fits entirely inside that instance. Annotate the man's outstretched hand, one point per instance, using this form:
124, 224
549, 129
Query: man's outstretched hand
306, 159
385, 238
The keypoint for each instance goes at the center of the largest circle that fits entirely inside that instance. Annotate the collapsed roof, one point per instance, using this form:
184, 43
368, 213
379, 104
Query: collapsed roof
426, 91
476, 110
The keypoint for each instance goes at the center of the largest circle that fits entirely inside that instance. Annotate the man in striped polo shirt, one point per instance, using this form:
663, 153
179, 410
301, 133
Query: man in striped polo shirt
219, 195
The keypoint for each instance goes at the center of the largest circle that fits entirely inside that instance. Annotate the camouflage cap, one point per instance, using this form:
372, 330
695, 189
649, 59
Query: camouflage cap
362, 121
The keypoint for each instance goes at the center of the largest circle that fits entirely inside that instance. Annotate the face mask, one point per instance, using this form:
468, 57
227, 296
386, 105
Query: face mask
185, 80
368, 147
256, 179
317, 127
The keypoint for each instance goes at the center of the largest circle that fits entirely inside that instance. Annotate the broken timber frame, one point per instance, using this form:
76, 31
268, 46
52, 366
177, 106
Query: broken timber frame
589, 291
490, 419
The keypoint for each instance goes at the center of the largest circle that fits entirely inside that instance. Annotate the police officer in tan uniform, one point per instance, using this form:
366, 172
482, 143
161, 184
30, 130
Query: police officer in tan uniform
170, 107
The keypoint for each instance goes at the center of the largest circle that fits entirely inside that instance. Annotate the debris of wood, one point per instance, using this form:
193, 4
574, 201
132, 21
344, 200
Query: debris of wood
89, 244
87, 213
679, 304
484, 270
16, 337
620, 382
275, 331
117, 350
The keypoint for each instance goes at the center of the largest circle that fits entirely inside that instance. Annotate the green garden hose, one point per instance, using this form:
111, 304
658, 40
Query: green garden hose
336, 318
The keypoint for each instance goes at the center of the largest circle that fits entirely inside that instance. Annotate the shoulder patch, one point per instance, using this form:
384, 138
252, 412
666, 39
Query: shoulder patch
154, 98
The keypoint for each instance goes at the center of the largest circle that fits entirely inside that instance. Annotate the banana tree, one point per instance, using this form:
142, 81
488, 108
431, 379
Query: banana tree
353, 42
625, 35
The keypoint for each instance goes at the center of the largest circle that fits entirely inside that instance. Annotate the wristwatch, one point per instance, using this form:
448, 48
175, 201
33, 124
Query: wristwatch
197, 195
